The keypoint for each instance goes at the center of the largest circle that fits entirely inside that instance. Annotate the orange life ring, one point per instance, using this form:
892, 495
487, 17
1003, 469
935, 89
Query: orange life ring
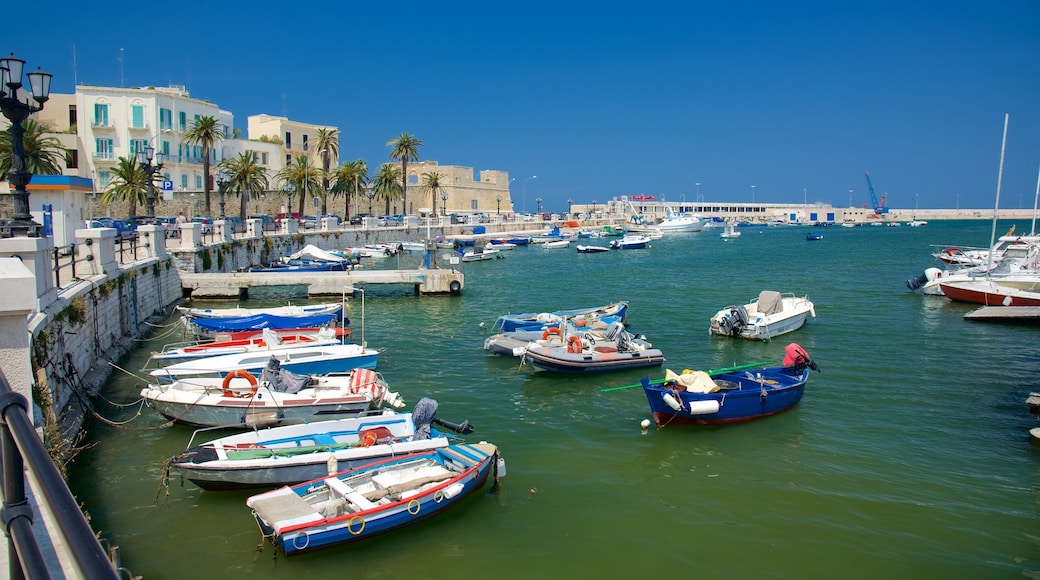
556, 331
239, 374
369, 439
574, 345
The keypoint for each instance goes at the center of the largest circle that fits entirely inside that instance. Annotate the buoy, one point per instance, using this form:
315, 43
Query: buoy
671, 401
483, 326
645, 424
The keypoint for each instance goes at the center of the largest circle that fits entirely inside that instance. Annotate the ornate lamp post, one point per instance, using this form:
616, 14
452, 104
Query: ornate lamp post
223, 182
145, 158
444, 205
370, 193
498, 202
16, 111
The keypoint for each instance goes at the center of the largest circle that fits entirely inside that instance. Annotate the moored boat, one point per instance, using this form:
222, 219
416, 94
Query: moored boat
583, 249
322, 359
207, 321
768, 316
542, 320
582, 353
631, 242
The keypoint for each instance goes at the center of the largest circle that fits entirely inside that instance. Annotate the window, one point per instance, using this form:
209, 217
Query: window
165, 120
288, 140
182, 120
413, 179
104, 179
137, 116
263, 158
138, 145
103, 148
198, 182
72, 115
184, 181
72, 159
305, 142
166, 149
288, 160
100, 115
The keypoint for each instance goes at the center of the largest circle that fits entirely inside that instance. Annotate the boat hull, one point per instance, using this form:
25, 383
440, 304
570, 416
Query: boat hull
532, 320
988, 293
748, 396
559, 360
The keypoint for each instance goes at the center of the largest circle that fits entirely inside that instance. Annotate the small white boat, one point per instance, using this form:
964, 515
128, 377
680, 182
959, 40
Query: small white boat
412, 246
278, 397
267, 339
631, 242
556, 244
500, 246
768, 316
582, 249
479, 254
730, 232
313, 360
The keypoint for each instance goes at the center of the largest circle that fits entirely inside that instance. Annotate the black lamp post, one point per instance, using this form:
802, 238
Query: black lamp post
145, 158
444, 206
370, 193
538, 202
223, 182
16, 111
498, 201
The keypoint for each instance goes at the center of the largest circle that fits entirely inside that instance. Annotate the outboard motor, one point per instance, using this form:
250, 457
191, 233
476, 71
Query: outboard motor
797, 358
425, 413
927, 276
616, 330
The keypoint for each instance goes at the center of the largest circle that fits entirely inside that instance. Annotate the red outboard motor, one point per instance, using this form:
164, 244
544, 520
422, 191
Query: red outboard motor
796, 356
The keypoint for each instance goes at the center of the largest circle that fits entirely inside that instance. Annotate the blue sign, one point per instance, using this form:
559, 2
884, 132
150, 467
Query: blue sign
167, 185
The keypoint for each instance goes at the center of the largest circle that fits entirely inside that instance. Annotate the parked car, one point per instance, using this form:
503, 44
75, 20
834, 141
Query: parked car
459, 218
207, 223
358, 219
268, 224
287, 214
169, 222
482, 218
310, 222
235, 225
124, 229
390, 220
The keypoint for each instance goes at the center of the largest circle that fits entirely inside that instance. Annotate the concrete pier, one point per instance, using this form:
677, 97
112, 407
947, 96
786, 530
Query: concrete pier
237, 284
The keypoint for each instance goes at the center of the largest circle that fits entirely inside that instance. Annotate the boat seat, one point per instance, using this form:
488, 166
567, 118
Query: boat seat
604, 348
337, 486
324, 439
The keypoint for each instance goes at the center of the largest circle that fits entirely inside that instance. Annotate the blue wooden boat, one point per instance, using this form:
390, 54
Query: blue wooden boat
542, 320
303, 266
377, 498
212, 320
700, 398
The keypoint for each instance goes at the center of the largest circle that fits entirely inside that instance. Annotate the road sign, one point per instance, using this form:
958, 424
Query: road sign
167, 185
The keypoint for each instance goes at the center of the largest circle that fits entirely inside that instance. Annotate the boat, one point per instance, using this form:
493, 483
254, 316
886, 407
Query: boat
213, 320
380, 497
583, 249
915, 223
311, 360
277, 397
813, 236
540, 321
500, 246
729, 396
479, 254
267, 339
967, 256
768, 316
556, 244
581, 353
671, 223
290, 454
516, 241
612, 231
1018, 266
303, 266
631, 242
515, 343
730, 232
988, 292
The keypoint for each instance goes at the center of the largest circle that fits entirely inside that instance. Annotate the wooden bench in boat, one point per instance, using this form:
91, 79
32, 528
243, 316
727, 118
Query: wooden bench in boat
337, 486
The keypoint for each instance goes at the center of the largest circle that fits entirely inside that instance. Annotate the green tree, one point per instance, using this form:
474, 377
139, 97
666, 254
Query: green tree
129, 183
43, 154
246, 175
302, 177
207, 132
327, 143
349, 180
405, 149
431, 185
388, 184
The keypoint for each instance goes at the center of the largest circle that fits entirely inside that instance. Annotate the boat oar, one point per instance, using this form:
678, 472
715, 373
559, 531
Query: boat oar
711, 373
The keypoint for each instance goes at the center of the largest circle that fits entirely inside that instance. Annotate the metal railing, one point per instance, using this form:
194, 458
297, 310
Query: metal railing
19, 445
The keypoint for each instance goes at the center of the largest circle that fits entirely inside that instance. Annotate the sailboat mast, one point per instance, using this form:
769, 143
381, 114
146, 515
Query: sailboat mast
1000, 177
1036, 198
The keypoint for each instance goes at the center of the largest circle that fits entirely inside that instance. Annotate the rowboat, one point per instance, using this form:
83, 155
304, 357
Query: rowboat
768, 316
710, 398
266, 340
380, 497
278, 397
212, 320
290, 454
314, 360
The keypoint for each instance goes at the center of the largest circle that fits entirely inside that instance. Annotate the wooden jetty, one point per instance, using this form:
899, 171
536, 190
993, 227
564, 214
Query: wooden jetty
237, 284
1020, 314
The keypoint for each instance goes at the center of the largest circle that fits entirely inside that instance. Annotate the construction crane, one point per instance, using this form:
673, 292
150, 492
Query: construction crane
880, 208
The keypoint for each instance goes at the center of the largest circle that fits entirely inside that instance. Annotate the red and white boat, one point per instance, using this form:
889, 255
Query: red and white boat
248, 341
988, 293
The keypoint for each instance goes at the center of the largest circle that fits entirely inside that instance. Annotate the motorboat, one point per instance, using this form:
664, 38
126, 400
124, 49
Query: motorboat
631, 242
729, 232
583, 249
322, 359
541, 321
515, 343
814, 236
582, 353
671, 223
988, 292
265, 340
768, 316
479, 254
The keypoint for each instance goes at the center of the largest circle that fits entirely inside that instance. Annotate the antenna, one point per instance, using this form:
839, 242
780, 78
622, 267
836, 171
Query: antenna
121, 68
75, 77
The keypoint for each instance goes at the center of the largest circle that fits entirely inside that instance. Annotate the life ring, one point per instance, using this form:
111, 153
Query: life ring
556, 331
350, 524
574, 345
238, 373
438, 496
369, 439
414, 502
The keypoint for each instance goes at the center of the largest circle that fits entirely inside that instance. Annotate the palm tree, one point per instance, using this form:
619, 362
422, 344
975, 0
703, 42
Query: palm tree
432, 185
405, 149
350, 179
43, 155
207, 132
388, 184
301, 176
327, 143
246, 175
129, 183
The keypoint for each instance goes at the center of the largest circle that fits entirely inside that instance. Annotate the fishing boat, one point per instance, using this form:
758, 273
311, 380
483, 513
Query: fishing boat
729, 395
631, 242
542, 320
312, 360
290, 454
379, 497
277, 397
266, 340
583, 249
768, 316
212, 320
582, 353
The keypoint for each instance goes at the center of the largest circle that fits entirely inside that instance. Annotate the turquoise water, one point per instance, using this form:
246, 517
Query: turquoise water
908, 457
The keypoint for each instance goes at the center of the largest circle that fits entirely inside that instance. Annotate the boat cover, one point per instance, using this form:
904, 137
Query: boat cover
770, 302
281, 380
315, 253
694, 381
261, 321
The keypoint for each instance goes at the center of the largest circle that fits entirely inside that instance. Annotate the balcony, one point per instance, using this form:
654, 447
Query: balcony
98, 127
104, 157
141, 129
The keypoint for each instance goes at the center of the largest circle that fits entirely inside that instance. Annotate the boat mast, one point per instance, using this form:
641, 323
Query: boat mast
1036, 198
1000, 177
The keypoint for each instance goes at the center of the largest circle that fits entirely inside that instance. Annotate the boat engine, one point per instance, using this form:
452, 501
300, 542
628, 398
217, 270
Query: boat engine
797, 358
425, 413
928, 275
733, 321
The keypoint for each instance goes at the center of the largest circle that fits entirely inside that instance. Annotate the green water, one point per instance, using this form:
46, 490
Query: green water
908, 457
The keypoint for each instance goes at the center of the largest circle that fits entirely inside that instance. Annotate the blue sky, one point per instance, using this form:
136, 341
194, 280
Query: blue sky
602, 99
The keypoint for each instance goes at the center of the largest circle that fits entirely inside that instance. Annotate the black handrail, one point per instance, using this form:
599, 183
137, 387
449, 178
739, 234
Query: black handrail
18, 439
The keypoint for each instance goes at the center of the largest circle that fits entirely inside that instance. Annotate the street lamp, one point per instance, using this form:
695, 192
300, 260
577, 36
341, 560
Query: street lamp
569, 203
370, 193
538, 202
753, 193
498, 202
525, 191
145, 158
17, 111
223, 182
850, 198
698, 184
444, 205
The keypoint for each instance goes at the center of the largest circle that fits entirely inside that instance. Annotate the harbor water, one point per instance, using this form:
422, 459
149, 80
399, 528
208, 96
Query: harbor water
908, 457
